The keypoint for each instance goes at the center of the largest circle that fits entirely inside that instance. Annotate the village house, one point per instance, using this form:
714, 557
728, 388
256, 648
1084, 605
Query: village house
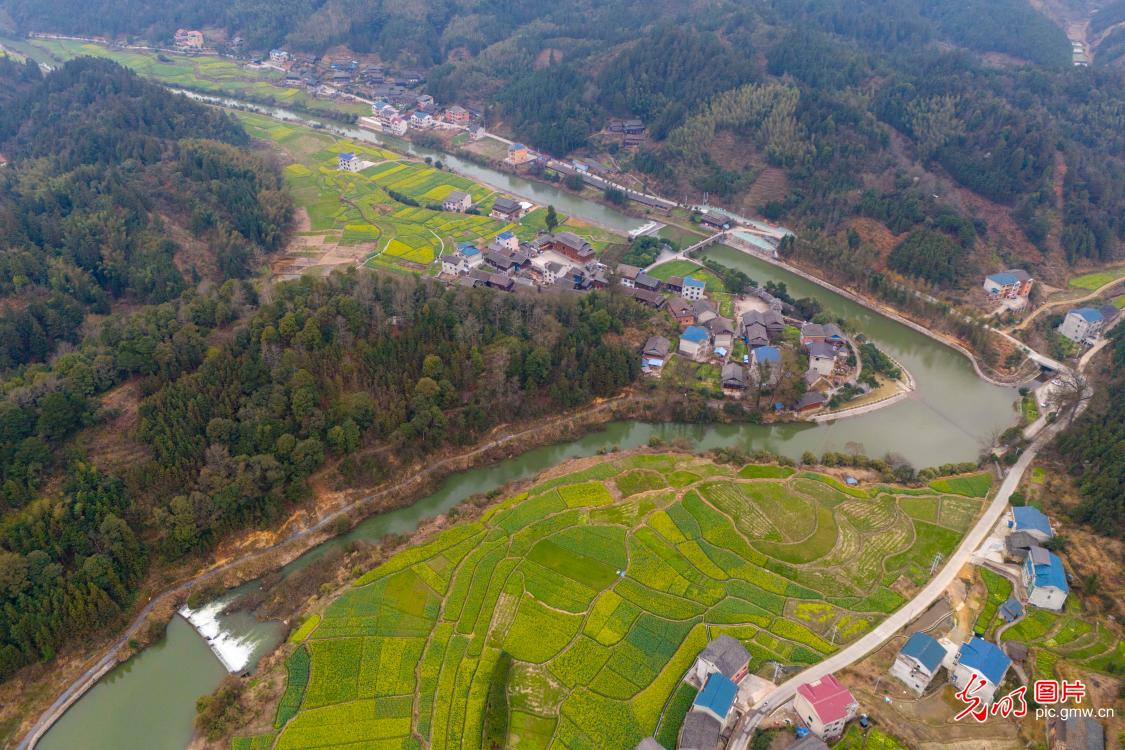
518, 154
769, 321
644, 281
693, 288
826, 706
723, 655
501, 262
1017, 545
464, 260
188, 39
700, 731
572, 246
822, 358
810, 401
715, 220
918, 661
980, 657
716, 698
755, 335
829, 333
627, 275
508, 240
552, 272
1044, 578
654, 354
674, 284
421, 120
458, 115
279, 56
1011, 284
506, 209
1075, 733
766, 358
1084, 325
814, 381
734, 377
348, 162
1031, 521
653, 299
681, 311
458, 200
695, 343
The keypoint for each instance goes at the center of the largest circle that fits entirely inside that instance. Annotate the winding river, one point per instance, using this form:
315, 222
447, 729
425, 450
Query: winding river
149, 702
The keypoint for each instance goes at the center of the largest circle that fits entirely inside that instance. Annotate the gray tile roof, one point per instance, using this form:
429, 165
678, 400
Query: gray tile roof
656, 346
725, 652
699, 732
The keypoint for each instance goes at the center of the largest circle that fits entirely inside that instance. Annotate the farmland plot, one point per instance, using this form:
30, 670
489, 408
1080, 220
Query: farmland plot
602, 586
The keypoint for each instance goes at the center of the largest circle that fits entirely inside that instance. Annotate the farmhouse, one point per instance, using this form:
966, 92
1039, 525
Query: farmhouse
1018, 544
188, 39
715, 220
506, 209
347, 162
508, 240
770, 320
695, 342
572, 246
1044, 578
755, 335
1011, 284
458, 200
644, 281
681, 311
693, 288
501, 262
700, 731
769, 359
733, 377
518, 154
716, 698
654, 354
457, 114
723, 655
822, 358
552, 272
980, 657
465, 259
1082, 325
810, 401
627, 274
652, 299
674, 284
918, 661
826, 706
1031, 521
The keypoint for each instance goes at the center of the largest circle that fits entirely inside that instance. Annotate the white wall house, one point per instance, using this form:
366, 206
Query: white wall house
918, 661
1045, 579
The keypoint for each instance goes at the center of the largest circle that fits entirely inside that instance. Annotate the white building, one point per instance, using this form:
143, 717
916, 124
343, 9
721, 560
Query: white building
458, 200
348, 162
695, 343
822, 358
467, 257
825, 705
1082, 325
724, 655
1045, 579
693, 288
980, 657
918, 662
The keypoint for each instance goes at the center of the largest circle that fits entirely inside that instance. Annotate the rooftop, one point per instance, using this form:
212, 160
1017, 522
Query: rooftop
689, 281
767, 354
986, 658
717, 695
828, 698
821, 349
1029, 518
700, 731
1048, 569
925, 649
1090, 314
505, 235
695, 334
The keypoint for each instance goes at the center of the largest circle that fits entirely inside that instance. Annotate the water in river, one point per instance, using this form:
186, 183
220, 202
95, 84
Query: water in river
149, 702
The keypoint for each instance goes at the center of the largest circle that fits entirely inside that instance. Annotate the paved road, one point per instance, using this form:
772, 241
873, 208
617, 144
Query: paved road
933, 590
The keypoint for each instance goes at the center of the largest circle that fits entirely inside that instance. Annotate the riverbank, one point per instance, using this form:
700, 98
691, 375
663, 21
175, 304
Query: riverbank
882, 309
308, 532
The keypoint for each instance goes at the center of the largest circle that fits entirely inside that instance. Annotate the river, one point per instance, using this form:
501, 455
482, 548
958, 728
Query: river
149, 702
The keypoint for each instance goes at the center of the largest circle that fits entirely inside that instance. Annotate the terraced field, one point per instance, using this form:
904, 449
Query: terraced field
602, 585
1071, 637
353, 218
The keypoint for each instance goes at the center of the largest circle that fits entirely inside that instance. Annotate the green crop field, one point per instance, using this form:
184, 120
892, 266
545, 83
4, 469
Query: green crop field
688, 268
602, 586
357, 208
1097, 279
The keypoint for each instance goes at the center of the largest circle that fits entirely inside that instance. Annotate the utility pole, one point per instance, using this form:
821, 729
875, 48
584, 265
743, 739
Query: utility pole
938, 557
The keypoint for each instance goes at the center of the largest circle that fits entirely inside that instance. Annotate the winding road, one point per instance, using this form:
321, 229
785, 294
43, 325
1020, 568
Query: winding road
934, 590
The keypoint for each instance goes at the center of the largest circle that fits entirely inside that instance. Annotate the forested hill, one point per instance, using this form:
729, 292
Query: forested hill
103, 167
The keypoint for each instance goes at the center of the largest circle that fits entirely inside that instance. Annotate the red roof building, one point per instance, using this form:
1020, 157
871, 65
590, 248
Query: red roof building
826, 705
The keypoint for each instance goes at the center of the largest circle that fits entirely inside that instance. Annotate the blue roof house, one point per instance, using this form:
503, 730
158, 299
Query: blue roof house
1032, 521
347, 162
918, 662
984, 658
695, 342
766, 354
716, 697
693, 288
1045, 579
1082, 325
1011, 609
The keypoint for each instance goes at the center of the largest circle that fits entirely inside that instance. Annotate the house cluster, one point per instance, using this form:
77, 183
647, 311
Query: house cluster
188, 40
1085, 325
632, 131
398, 114
827, 348
561, 261
922, 657
329, 77
1012, 287
717, 672
1041, 571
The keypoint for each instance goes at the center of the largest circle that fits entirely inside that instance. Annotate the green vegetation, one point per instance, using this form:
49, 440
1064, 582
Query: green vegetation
674, 713
1069, 636
570, 613
999, 589
308, 626
970, 485
688, 268
872, 739
1097, 279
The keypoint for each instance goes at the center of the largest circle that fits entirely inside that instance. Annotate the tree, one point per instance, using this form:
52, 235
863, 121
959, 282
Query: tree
1069, 393
552, 220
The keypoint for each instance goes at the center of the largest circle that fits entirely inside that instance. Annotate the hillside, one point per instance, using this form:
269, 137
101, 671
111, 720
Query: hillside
567, 614
961, 119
